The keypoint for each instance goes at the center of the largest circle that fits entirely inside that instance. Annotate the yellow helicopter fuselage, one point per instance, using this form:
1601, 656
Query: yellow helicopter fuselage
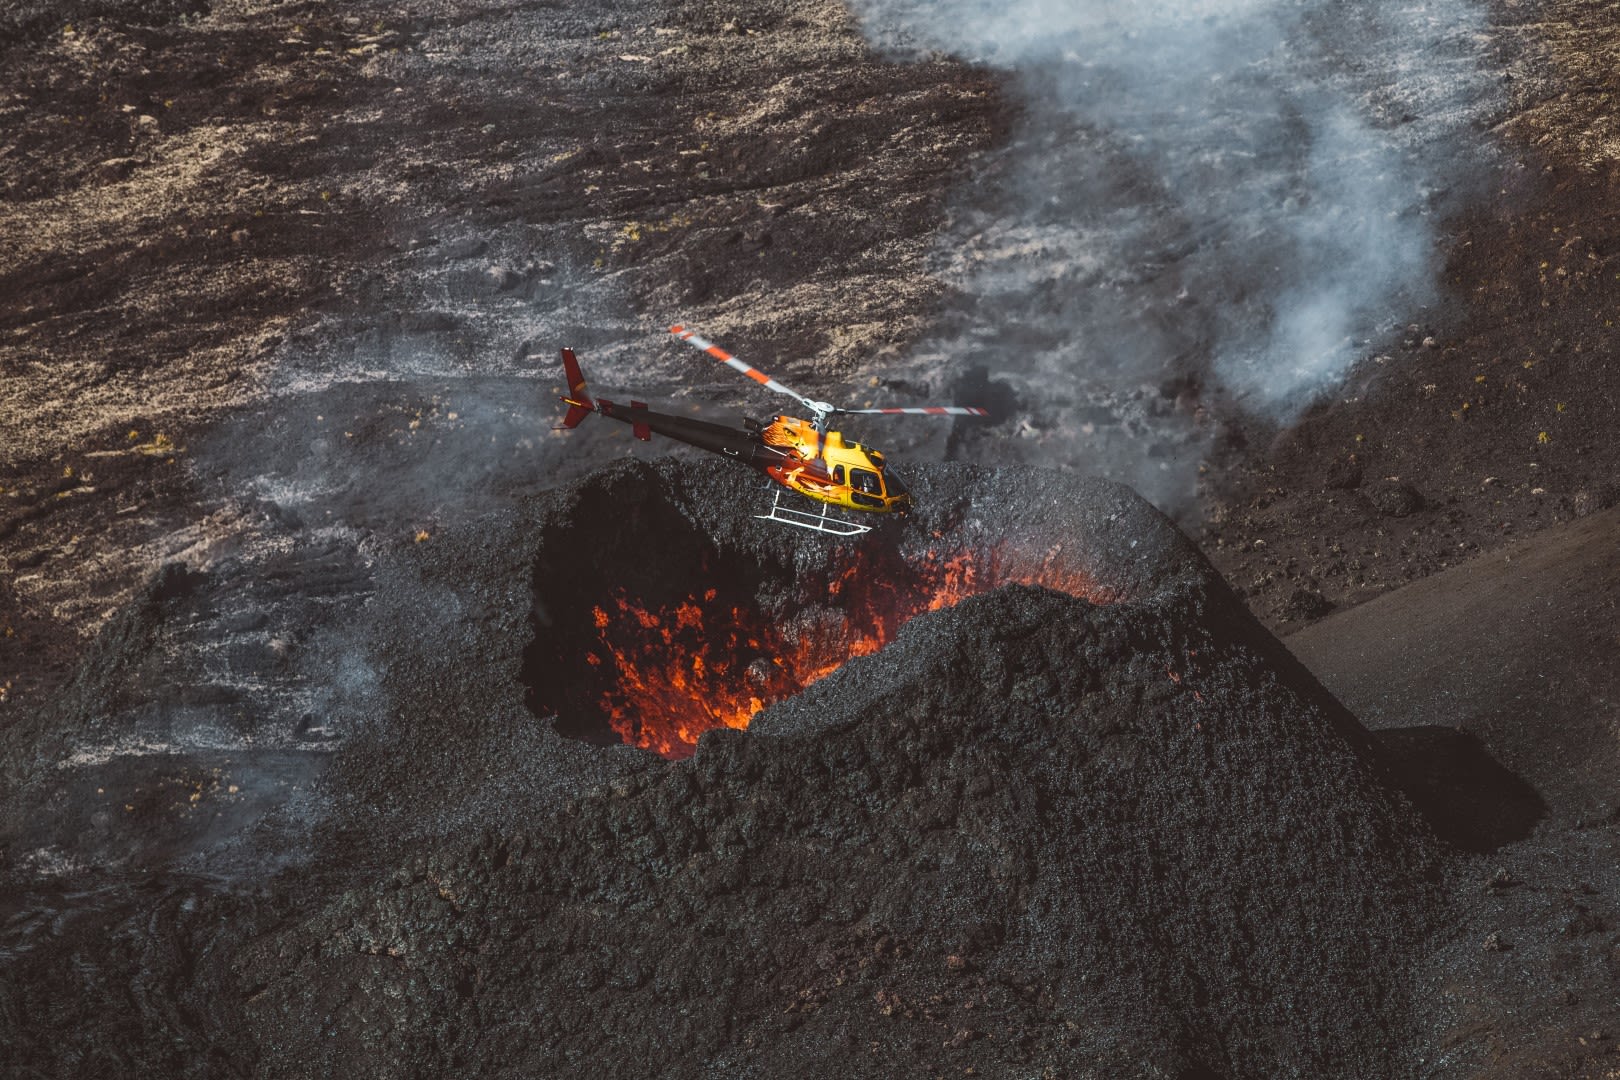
830, 470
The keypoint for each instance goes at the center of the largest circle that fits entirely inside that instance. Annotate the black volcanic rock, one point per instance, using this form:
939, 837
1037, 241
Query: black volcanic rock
1035, 832
1395, 499
1119, 833
239, 276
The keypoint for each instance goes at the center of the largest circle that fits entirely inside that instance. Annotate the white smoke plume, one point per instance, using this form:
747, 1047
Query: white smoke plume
1235, 198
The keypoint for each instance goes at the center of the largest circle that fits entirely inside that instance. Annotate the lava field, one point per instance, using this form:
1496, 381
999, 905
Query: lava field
1238, 700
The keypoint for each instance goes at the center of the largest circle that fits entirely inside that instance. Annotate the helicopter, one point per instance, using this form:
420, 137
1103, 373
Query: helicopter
799, 456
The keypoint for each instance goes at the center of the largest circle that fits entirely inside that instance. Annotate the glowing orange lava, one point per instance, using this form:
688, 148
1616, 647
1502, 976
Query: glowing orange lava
681, 669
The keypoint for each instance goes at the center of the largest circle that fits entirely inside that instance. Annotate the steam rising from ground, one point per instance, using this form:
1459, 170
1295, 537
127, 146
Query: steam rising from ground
261, 657
1229, 199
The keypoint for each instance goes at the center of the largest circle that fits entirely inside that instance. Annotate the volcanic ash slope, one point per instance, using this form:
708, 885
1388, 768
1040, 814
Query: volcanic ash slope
1035, 835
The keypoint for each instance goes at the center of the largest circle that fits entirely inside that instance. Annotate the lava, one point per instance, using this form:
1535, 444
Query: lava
675, 670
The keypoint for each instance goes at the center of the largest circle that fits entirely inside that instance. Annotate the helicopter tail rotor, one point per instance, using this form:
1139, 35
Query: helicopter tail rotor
578, 401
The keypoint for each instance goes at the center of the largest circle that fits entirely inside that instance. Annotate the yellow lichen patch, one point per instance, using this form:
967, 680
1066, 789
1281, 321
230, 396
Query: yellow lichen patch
160, 444
635, 231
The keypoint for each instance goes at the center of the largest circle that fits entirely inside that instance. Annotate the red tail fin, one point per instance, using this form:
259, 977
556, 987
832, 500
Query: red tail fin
578, 401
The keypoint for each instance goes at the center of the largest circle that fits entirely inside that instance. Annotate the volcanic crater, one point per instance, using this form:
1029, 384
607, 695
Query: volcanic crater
650, 629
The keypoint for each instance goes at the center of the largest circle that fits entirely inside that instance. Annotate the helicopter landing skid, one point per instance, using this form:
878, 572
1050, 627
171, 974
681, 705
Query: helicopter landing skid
804, 519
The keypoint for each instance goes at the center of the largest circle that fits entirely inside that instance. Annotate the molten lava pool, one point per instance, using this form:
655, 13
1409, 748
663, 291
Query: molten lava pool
671, 670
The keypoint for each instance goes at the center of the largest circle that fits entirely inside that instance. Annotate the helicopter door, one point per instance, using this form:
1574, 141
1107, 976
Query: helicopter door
868, 488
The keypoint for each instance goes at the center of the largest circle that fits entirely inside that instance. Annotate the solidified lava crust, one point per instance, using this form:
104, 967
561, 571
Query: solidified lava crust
1033, 833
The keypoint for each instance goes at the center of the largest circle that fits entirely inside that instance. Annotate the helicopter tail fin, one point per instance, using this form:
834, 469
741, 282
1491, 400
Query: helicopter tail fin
578, 401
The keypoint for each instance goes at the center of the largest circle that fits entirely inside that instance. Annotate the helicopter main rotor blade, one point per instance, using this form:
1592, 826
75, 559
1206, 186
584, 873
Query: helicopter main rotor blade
692, 338
922, 410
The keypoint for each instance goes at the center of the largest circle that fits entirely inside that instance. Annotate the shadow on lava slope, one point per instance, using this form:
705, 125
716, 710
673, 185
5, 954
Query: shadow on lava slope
1471, 799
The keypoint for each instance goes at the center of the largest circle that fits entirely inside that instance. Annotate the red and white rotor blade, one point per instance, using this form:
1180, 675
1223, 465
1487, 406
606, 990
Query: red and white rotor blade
692, 338
922, 410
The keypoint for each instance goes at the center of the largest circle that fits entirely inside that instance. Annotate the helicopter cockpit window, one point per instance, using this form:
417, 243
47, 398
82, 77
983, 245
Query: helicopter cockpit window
862, 480
838, 473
